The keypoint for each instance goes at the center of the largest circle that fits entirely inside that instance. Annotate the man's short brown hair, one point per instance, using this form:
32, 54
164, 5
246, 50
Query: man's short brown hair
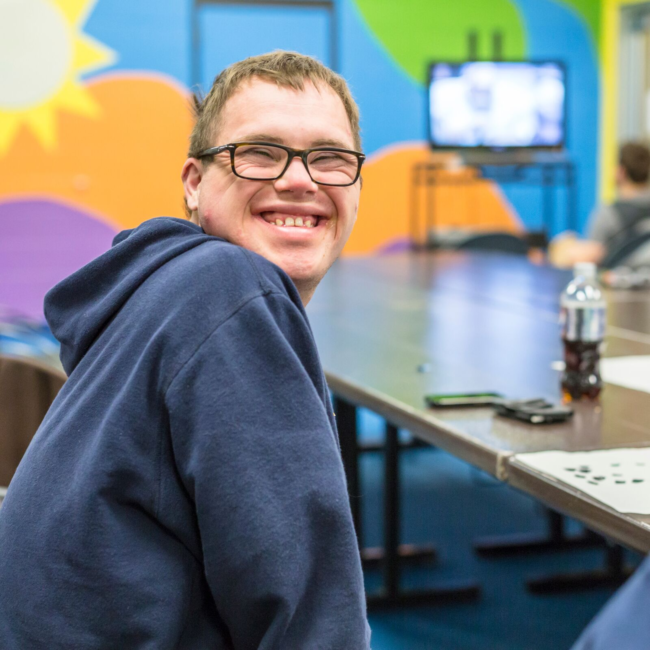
634, 158
288, 69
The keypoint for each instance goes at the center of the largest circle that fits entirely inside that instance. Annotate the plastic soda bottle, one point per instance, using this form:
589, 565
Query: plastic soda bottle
583, 315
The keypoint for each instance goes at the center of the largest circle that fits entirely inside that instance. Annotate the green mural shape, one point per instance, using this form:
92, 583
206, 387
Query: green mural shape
416, 32
589, 10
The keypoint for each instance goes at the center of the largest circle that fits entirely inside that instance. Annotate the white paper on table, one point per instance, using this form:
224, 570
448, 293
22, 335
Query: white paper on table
620, 478
630, 372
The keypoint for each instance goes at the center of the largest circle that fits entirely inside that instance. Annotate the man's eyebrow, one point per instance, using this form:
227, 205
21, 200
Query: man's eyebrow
265, 137
261, 137
327, 142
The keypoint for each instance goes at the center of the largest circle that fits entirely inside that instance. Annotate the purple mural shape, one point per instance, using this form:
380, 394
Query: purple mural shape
42, 242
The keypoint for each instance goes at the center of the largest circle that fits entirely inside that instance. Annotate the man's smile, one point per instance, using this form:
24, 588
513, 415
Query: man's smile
292, 216
287, 221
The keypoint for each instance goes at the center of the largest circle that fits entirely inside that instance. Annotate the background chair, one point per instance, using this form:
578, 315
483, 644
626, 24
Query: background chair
27, 388
501, 242
622, 255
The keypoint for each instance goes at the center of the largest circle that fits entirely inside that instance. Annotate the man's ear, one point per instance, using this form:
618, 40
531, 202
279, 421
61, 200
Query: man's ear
191, 176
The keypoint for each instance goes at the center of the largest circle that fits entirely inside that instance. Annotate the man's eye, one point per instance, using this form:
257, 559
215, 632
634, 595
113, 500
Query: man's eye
328, 157
261, 153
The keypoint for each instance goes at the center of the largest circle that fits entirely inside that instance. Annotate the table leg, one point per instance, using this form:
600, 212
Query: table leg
613, 574
430, 235
555, 539
346, 422
547, 199
392, 595
392, 518
572, 199
346, 418
415, 208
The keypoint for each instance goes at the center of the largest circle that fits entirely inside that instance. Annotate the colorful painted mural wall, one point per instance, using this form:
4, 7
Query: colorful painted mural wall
94, 110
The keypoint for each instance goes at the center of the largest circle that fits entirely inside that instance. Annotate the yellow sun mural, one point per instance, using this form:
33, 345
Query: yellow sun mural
42, 55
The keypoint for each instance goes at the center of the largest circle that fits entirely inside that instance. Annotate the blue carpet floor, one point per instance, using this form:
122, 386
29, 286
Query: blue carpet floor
449, 503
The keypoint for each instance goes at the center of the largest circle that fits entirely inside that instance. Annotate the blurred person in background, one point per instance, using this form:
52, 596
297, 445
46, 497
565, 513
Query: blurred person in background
613, 226
186, 489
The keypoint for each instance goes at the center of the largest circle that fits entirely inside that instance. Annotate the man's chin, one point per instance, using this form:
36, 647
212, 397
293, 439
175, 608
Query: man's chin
297, 266
301, 274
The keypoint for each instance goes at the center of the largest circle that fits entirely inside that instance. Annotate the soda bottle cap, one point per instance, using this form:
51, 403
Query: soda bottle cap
584, 269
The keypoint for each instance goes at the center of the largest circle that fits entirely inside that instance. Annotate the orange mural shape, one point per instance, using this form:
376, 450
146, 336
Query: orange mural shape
390, 209
124, 165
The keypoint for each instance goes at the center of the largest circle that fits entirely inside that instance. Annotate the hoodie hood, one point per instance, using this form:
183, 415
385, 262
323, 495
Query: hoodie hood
79, 307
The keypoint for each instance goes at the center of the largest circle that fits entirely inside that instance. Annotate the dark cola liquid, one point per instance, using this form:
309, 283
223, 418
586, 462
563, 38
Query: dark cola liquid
581, 377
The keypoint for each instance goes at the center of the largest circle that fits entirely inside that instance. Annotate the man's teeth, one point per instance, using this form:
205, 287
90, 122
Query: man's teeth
290, 222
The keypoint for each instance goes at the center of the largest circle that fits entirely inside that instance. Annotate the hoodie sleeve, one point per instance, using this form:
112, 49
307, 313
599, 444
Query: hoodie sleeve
624, 622
256, 451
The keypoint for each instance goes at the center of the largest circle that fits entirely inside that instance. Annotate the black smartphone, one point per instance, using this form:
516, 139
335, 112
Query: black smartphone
462, 400
537, 411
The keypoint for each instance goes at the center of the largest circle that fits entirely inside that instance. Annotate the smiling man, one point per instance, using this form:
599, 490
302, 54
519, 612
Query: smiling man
300, 202
186, 488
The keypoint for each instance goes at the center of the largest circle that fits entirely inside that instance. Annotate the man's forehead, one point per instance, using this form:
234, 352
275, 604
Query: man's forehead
258, 86
263, 108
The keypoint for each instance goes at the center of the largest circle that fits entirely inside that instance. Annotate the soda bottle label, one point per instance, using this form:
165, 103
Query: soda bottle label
583, 323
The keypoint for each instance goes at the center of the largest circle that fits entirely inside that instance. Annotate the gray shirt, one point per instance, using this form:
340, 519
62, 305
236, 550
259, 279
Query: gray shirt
606, 222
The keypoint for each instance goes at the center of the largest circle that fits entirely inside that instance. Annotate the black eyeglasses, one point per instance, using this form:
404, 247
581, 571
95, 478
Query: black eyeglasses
264, 161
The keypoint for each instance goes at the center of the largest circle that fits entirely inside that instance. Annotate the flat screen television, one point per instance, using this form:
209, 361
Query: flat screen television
497, 105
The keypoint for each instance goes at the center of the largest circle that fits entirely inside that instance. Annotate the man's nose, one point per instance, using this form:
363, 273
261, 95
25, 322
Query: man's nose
296, 178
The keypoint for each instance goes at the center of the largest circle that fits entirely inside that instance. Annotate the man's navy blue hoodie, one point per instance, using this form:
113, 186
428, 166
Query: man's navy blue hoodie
185, 490
624, 623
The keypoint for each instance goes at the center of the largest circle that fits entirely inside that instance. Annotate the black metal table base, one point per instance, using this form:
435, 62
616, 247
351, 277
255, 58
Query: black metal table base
414, 443
613, 575
554, 540
452, 593
393, 595
373, 556
394, 554
346, 422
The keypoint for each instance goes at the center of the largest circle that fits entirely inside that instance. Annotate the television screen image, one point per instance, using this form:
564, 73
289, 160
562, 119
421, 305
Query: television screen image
497, 104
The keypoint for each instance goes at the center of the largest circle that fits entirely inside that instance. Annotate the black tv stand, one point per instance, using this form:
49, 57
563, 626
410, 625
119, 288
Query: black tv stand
548, 170
478, 157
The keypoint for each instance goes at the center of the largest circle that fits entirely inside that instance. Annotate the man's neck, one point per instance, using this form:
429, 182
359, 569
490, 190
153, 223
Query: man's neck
306, 293
629, 190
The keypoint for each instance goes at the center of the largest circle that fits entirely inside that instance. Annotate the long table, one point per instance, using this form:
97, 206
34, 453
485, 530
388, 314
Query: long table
391, 329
